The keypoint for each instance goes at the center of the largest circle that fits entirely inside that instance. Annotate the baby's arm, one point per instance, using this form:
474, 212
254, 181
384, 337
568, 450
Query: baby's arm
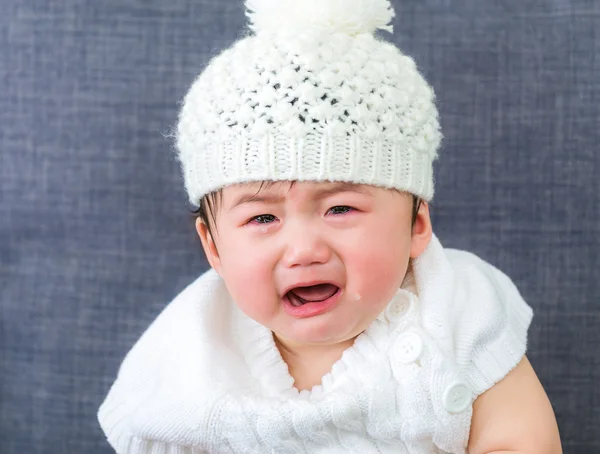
514, 416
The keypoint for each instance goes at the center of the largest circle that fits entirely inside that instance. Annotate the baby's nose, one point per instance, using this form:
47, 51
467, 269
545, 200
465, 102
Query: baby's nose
305, 248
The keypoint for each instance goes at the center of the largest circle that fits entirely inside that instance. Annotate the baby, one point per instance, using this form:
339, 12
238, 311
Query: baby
332, 319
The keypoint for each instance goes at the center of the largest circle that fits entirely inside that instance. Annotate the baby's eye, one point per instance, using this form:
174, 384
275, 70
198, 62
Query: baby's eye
340, 209
262, 219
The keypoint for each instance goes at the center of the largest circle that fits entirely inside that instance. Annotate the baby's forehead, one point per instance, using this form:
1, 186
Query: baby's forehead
277, 191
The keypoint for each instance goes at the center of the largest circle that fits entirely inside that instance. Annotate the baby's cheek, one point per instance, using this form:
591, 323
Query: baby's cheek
249, 280
380, 271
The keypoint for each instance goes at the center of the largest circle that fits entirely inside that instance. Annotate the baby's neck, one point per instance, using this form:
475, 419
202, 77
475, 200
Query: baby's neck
307, 364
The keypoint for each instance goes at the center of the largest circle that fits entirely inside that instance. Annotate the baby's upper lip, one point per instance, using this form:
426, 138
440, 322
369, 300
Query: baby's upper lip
309, 283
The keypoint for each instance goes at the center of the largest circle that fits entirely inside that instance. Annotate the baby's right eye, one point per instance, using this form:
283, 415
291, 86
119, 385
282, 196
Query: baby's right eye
262, 219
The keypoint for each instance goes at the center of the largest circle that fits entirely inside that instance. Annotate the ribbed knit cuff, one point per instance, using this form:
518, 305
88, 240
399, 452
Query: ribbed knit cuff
404, 165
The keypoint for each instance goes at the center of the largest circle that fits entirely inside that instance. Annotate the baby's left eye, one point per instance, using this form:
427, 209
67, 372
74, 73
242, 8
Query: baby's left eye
340, 209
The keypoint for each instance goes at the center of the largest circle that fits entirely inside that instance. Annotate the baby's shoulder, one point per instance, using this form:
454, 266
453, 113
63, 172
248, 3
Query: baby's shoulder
481, 319
480, 283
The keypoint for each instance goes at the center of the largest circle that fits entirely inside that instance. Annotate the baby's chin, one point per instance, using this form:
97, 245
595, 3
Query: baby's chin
321, 331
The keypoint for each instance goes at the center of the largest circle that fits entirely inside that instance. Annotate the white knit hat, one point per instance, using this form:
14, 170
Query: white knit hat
312, 95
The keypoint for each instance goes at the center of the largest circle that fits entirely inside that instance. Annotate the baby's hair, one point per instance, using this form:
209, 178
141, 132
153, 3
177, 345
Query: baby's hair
209, 205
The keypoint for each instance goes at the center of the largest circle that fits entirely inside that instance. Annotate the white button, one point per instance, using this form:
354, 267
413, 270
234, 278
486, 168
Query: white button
457, 397
408, 347
397, 308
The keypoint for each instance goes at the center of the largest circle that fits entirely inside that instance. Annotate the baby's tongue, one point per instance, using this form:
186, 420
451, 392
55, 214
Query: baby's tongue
315, 293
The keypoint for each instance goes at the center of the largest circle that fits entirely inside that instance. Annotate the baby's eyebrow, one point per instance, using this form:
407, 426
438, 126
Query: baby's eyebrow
336, 188
318, 194
256, 198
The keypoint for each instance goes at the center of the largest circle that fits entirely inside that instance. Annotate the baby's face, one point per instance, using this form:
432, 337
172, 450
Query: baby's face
314, 262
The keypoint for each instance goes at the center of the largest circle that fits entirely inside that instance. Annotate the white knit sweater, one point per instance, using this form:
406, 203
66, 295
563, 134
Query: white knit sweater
205, 378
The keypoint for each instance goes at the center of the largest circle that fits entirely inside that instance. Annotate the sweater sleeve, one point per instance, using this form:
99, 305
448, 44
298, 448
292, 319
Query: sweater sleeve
489, 321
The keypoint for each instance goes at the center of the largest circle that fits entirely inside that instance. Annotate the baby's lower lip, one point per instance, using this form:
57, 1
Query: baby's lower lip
311, 309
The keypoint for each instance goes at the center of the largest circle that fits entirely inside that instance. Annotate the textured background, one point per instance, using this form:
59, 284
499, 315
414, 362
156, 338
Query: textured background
95, 235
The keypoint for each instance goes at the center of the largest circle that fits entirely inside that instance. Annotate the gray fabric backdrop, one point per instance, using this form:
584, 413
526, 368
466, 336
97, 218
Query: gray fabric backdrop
95, 235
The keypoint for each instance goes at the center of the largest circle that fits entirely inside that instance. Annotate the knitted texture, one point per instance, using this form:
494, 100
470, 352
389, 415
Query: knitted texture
206, 378
312, 95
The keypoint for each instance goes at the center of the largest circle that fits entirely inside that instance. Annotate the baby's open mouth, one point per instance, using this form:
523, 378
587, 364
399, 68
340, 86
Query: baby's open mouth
311, 294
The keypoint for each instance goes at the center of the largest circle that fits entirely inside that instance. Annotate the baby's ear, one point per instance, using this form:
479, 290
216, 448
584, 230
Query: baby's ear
208, 244
421, 232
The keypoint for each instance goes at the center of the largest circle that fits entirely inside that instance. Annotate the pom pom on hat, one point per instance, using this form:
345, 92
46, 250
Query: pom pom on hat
346, 16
